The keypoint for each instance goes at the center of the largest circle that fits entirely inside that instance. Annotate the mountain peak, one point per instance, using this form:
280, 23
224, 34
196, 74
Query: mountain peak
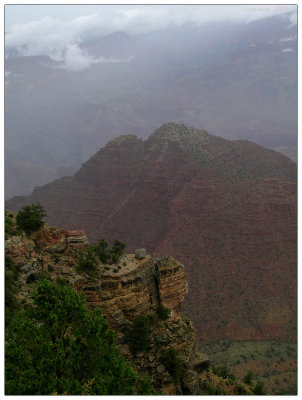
223, 208
177, 131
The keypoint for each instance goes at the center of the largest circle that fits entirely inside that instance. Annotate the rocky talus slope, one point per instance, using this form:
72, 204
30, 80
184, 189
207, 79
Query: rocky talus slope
122, 291
226, 209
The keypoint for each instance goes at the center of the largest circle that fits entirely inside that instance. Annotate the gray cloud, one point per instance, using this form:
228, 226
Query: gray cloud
56, 38
59, 37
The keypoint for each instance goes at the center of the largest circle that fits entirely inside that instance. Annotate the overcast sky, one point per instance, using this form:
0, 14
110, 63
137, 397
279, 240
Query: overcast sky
57, 30
138, 18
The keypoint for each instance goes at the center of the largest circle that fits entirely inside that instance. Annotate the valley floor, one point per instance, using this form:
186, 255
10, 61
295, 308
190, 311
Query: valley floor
272, 362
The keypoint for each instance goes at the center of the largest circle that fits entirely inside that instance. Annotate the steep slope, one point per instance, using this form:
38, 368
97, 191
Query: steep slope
227, 209
132, 289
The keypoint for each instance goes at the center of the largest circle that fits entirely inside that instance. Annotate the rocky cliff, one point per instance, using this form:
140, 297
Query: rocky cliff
226, 209
129, 288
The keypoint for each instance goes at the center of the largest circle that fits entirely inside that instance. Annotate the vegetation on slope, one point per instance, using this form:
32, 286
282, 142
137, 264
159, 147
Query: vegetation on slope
56, 346
31, 218
272, 362
11, 289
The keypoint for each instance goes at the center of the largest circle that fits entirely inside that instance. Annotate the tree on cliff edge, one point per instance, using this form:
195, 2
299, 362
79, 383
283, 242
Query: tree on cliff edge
31, 218
58, 346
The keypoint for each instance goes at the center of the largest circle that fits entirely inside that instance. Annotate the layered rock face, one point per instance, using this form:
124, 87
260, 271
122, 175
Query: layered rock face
172, 283
76, 239
225, 209
134, 287
123, 291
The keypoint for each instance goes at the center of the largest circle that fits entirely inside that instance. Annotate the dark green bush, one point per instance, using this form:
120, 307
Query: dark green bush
106, 255
118, 248
144, 386
87, 261
259, 388
209, 389
11, 289
241, 390
248, 378
31, 218
173, 364
10, 228
101, 250
163, 312
58, 346
8, 225
138, 333
224, 372
55, 258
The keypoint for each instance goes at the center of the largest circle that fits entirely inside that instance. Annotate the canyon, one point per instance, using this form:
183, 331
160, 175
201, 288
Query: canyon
130, 288
225, 209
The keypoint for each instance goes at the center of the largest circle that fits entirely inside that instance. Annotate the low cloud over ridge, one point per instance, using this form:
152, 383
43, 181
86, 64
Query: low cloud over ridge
60, 38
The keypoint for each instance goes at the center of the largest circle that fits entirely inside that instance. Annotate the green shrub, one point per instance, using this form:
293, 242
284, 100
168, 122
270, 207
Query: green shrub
11, 289
113, 258
248, 378
101, 250
144, 386
87, 261
163, 312
106, 255
209, 389
173, 364
138, 333
10, 228
58, 346
241, 390
31, 218
118, 248
259, 388
8, 225
55, 258
224, 372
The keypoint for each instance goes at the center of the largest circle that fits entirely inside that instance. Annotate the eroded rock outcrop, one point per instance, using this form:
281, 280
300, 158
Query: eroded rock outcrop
131, 287
122, 291
172, 283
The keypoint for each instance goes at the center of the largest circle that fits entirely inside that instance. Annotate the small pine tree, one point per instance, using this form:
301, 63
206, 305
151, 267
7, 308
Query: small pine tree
87, 261
248, 378
101, 250
31, 218
58, 346
118, 247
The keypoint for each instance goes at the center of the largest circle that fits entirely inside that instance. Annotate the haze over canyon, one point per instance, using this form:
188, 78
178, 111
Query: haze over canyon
64, 99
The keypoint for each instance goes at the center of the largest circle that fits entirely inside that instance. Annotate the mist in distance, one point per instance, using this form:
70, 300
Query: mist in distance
78, 76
